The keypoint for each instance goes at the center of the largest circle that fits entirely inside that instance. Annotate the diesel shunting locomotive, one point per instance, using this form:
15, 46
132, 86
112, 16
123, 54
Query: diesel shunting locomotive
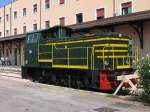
85, 61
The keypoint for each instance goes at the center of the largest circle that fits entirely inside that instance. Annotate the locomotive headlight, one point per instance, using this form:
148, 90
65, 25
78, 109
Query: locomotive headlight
130, 42
133, 61
120, 35
106, 63
30, 51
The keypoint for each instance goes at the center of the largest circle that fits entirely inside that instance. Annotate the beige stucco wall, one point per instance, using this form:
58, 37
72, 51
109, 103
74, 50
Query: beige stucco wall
140, 5
30, 19
146, 49
67, 10
2, 22
7, 23
73, 7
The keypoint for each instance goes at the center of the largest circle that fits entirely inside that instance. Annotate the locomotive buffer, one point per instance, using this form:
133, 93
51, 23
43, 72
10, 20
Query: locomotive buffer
126, 79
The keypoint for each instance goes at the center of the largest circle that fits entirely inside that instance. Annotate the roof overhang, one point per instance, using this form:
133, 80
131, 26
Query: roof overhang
11, 38
112, 21
117, 20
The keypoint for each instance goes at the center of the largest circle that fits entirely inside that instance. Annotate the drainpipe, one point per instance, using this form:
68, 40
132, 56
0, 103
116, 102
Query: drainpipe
11, 19
4, 21
11, 49
4, 29
40, 14
114, 7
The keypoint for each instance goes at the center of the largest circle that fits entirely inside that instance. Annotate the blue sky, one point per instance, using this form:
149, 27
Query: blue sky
3, 2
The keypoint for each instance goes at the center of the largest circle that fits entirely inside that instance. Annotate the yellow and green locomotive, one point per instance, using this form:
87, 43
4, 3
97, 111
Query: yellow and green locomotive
85, 61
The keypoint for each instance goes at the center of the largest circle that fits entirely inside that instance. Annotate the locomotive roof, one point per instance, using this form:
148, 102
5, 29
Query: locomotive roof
51, 28
101, 34
96, 35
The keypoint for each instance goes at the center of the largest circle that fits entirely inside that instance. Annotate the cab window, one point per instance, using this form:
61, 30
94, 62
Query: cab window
32, 38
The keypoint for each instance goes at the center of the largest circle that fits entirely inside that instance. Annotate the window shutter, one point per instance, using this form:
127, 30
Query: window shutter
62, 21
62, 1
100, 12
127, 4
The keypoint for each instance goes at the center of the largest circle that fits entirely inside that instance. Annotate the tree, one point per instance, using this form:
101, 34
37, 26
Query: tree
144, 71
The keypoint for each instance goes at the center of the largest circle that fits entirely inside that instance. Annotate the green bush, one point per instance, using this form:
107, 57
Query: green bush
144, 71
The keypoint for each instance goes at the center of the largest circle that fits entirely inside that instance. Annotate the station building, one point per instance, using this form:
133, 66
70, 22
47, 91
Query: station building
129, 17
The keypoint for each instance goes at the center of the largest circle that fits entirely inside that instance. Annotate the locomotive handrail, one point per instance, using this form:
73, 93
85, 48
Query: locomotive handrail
45, 53
70, 47
92, 58
133, 56
136, 53
69, 58
123, 61
104, 55
68, 65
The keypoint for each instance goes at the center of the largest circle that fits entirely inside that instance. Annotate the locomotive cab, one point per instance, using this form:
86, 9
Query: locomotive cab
56, 32
31, 51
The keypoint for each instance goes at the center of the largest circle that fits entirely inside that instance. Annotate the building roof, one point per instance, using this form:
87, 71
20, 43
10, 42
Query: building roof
138, 16
10, 38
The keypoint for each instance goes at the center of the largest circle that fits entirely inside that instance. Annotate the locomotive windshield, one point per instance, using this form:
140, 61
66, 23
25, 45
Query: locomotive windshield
49, 34
56, 32
32, 38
